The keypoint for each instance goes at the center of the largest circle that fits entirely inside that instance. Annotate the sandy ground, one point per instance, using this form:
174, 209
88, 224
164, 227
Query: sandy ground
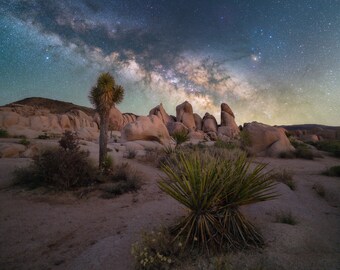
61, 231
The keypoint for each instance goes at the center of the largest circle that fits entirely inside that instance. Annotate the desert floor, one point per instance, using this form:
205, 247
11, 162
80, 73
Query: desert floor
62, 231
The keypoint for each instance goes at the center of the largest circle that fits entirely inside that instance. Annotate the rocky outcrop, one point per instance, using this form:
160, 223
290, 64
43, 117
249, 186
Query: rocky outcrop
31, 122
209, 123
118, 120
198, 121
263, 140
176, 127
148, 128
185, 115
162, 114
228, 128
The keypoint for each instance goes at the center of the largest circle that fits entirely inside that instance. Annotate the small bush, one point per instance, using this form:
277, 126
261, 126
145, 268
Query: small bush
107, 165
122, 179
69, 141
332, 147
302, 151
288, 155
320, 190
245, 138
25, 142
4, 133
180, 137
286, 178
332, 171
131, 154
286, 218
43, 136
225, 145
157, 250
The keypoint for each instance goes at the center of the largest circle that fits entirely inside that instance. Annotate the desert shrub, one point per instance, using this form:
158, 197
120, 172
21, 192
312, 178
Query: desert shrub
222, 144
287, 154
69, 141
180, 137
319, 189
213, 188
245, 138
329, 146
58, 169
157, 250
303, 151
3, 133
122, 179
286, 218
43, 136
25, 142
107, 165
131, 154
285, 177
332, 171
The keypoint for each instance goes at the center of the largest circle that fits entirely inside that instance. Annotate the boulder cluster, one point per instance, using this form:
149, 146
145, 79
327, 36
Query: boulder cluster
157, 127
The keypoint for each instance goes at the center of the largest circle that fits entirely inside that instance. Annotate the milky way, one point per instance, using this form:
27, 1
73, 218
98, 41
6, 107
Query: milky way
276, 62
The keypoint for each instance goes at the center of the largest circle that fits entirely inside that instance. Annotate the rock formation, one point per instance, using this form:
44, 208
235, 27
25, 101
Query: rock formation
263, 140
162, 114
185, 115
228, 128
148, 128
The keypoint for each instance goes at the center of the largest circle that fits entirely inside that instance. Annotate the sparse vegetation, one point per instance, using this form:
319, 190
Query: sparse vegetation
288, 154
332, 147
304, 152
3, 133
320, 190
245, 138
123, 179
25, 142
180, 137
332, 171
286, 218
131, 154
107, 165
43, 136
69, 141
157, 250
213, 188
226, 145
285, 177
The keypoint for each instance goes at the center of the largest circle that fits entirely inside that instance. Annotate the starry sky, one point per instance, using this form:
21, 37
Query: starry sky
273, 61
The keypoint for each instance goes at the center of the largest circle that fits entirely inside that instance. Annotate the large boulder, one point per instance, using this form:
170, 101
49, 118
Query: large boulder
176, 127
209, 123
263, 140
162, 114
185, 115
147, 128
228, 127
198, 121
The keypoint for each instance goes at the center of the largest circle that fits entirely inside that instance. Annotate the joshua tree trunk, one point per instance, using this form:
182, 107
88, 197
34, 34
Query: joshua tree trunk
103, 139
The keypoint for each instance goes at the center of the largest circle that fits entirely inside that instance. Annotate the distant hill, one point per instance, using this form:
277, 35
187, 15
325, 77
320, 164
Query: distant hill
310, 127
55, 106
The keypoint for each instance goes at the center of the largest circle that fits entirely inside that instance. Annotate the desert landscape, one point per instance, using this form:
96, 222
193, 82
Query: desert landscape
82, 229
169, 135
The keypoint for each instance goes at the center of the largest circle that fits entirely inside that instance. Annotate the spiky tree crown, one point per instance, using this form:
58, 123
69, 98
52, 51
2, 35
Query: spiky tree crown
106, 93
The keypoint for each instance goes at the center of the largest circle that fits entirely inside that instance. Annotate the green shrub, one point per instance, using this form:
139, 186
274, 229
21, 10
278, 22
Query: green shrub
131, 154
213, 188
69, 141
107, 165
3, 133
43, 136
285, 177
25, 142
226, 145
319, 189
57, 169
245, 138
303, 151
286, 218
329, 146
180, 137
157, 250
332, 171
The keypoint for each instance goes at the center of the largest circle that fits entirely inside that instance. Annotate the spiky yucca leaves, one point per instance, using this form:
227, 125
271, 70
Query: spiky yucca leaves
103, 96
213, 189
180, 137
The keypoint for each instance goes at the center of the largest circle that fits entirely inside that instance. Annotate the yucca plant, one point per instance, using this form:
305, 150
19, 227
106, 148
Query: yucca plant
180, 137
213, 189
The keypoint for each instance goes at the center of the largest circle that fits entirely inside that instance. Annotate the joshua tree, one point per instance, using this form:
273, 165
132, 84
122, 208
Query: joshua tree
103, 96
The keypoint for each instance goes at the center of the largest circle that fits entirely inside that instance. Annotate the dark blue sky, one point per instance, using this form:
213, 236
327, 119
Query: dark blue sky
276, 62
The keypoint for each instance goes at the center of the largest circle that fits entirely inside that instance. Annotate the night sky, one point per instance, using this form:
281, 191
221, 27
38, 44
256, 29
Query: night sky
276, 62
